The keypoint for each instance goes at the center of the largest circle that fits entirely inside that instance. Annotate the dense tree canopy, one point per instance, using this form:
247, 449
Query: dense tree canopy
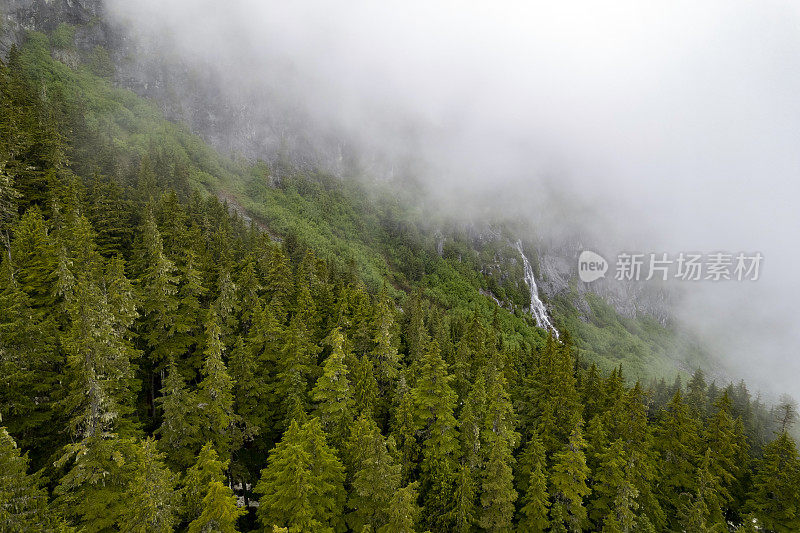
165, 365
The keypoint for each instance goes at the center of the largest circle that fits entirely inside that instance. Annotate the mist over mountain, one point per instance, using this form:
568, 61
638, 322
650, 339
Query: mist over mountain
668, 127
387, 267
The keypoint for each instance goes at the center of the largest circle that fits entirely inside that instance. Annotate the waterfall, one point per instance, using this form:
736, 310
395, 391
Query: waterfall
538, 310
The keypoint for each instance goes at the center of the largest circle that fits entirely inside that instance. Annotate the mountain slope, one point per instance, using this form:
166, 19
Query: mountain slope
347, 367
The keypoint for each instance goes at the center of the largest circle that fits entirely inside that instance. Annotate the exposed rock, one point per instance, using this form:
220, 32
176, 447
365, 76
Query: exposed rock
20, 16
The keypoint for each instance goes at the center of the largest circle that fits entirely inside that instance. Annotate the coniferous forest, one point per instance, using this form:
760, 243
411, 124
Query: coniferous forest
167, 366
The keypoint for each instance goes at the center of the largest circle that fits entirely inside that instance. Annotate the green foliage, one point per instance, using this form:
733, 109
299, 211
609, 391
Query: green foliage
434, 402
775, 496
403, 511
63, 36
332, 393
149, 499
22, 500
219, 511
568, 483
302, 485
118, 483
195, 484
179, 432
375, 476
215, 394
329, 333
101, 64
532, 484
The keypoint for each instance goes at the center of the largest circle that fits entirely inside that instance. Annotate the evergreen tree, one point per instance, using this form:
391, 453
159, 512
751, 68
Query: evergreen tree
696, 393
296, 367
279, 281
249, 291
8, 207
613, 503
266, 407
179, 431
110, 215
555, 399
93, 493
30, 381
23, 502
98, 364
464, 512
149, 498
724, 444
469, 354
215, 394
206, 470
186, 330
158, 282
404, 429
532, 486
302, 485
34, 259
403, 511
219, 512
676, 442
365, 387
497, 489
332, 393
253, 412
384, 351
568, 484
470, 424
775, 497
417, 337
434, 402
375, 479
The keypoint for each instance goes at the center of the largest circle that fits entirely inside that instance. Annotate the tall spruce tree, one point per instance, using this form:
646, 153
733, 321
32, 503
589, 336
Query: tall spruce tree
23, 501
179, 431
724, 442
497, 487
375, 476
149, 498
332, 393
296, 367
302, 485
464, 510
554, 396
434, 402
775, 497
568, 486
194, 486
159, 287
98, 362
532, 486
403, 511
384, 351
215, 394
219, 511
677, 443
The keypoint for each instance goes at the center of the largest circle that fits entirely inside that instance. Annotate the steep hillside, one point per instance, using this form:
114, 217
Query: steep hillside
314, 354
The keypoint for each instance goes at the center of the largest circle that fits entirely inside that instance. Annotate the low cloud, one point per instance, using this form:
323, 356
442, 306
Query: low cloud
659, 126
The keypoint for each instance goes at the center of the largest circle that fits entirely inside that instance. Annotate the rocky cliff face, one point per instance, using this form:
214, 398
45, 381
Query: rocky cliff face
558, 273
20, 16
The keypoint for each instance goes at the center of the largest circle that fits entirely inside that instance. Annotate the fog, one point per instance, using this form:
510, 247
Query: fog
667, 126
